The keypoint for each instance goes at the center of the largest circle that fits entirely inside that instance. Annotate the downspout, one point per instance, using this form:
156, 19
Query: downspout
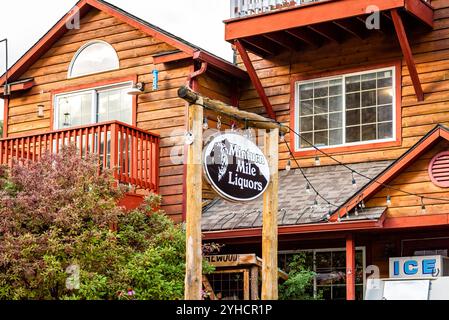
193, 84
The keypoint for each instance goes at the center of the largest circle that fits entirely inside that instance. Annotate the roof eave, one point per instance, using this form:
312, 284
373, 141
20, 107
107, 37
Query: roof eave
297, 229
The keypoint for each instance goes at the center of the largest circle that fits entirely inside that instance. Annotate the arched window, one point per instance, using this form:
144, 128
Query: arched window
93, 57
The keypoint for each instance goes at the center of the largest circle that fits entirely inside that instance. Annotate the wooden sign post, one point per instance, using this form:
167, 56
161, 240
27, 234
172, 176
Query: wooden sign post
194, 252
194, 193
270, 220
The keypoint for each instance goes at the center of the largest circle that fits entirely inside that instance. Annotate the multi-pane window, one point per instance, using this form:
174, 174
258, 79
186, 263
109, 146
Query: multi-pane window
329, 266
347, 109
93, 106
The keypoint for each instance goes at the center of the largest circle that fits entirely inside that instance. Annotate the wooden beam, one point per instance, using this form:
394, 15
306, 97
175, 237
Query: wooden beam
18, 86
353, 28
193, 279
350, 267
255, 79
327, 32
270, 220
284, 40
253, 119
306, 36
407, 51
254, 49
262, 44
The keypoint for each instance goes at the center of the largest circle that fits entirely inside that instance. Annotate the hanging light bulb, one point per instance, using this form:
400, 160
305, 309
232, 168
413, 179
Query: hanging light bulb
317, 161
282, 136
423, 206
354, 183
388, 200
362, 204
356, 212
329, 211
205, 123
315, 202
308, 189
288, 167
339, 217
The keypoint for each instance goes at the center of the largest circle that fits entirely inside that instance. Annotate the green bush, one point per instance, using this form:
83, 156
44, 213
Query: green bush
299, 285
56, 240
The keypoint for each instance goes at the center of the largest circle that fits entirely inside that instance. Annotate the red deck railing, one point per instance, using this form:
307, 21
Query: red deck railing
132, 153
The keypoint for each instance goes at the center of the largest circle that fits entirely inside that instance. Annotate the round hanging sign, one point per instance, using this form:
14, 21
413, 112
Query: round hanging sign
235, 167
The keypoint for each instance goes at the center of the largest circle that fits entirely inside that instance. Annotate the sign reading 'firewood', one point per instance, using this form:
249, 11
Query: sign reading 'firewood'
235, 167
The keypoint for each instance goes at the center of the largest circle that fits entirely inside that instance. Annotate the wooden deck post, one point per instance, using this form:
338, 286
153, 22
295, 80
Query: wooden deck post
255, 283
270, 223
350, 267
193, 279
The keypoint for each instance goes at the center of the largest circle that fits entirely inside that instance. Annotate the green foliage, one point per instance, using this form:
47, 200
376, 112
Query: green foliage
56, 240
1, 128
300, 282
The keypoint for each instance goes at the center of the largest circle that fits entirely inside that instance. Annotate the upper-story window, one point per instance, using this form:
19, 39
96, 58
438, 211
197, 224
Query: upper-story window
345, 110
94, 105
93, 57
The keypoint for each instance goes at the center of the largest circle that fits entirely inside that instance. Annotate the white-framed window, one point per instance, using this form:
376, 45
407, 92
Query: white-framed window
329, 266
347, 109
93, 105
93, 57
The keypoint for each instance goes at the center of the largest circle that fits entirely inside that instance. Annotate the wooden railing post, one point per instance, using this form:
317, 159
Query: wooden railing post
114, 149
193, 283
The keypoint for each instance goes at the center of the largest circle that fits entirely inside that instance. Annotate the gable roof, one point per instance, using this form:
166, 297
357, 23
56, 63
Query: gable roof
82, 7
392, 171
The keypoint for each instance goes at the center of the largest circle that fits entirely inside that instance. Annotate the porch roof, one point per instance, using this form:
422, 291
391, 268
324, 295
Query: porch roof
295, 204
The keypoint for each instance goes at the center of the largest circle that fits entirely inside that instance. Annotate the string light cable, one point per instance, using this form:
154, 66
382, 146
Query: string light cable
310, 185
365, 176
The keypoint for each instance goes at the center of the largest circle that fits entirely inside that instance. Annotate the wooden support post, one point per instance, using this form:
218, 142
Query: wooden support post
407, 52
246, 286
255, 283
193, 283
270, 223
350, 267
255, 79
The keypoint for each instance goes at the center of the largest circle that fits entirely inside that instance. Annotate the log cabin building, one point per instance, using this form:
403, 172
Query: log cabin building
368, 112
365, 95
74, 85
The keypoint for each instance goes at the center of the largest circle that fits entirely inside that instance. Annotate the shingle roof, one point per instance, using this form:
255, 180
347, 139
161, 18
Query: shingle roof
295, 204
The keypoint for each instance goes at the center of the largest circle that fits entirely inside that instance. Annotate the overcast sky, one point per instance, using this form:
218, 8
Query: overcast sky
198, 21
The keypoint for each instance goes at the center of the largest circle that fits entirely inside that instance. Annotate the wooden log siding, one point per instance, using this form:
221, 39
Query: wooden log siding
414, 179
431, 54
161, 111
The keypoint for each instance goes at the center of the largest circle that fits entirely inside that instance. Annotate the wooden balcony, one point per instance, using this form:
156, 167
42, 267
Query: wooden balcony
269, 27
132, 153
